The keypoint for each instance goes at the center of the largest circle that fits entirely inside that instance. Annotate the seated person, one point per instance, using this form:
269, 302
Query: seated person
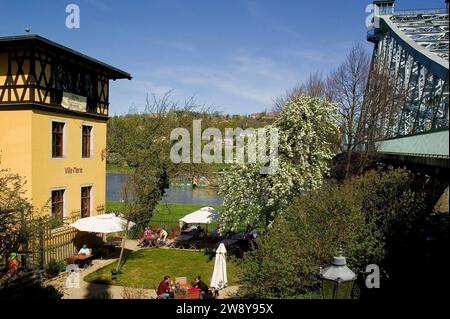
198, 283
164, 290
84, 250
201, 231
178, 289
163, 235
184, 228
217, 231
146, 236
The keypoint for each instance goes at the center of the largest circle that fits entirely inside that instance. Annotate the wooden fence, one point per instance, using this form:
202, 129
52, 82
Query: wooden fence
65, 241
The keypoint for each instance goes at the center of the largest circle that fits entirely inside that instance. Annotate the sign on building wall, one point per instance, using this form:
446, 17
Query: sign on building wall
74, 102
73, 170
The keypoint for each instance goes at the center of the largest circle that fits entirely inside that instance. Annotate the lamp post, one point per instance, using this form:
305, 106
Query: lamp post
337, 279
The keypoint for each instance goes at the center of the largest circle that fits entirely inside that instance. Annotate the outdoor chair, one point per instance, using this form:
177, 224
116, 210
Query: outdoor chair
192, 245
160, 243
176, 230
210, 294
172, 235
183, 244
146, 243
156, 291
149, 243
142, 241
172, 243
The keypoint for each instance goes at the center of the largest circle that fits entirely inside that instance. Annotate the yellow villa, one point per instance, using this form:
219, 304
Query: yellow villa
53, 115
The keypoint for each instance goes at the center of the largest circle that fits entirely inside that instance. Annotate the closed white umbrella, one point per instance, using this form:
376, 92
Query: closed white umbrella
219, 278
105, 223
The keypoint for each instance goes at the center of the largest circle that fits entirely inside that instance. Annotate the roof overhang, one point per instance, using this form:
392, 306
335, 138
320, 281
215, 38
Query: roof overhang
36, 40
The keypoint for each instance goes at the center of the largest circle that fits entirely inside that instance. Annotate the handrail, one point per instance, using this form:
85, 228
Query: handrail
419, 11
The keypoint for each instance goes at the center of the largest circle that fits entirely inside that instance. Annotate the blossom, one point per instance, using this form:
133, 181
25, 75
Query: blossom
305, 128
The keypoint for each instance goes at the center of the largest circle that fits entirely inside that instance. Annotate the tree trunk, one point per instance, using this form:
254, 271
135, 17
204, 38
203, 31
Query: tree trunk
349, 159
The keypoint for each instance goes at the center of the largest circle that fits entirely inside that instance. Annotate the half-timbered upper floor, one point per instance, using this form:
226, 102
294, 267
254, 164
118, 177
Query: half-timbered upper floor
36, 72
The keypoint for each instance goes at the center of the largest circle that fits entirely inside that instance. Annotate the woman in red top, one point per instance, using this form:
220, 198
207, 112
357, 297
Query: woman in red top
164, 290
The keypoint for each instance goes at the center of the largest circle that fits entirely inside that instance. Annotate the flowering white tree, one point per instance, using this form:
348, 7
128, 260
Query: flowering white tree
306, 129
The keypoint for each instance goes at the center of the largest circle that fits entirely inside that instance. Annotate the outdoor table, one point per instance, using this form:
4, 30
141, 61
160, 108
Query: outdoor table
190, 293
185, 237
183, 240
82, 258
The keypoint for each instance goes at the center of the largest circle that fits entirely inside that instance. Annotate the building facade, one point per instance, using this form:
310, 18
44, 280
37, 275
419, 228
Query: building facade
53, 115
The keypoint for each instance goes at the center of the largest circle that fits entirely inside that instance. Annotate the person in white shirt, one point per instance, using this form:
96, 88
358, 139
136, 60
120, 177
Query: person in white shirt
163, 234
84, 250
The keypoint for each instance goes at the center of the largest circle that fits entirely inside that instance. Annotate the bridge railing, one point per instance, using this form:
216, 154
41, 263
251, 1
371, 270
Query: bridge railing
419, 11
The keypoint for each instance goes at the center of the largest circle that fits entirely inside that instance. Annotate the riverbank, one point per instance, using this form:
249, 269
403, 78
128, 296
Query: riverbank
214, 168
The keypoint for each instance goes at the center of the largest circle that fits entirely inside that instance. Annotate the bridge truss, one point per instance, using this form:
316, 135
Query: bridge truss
411, 48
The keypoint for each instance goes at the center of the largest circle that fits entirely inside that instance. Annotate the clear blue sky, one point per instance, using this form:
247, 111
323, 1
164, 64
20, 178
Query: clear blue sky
237, 55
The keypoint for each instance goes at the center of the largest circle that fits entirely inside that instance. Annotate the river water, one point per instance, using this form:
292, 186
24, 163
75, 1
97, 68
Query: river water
173, 194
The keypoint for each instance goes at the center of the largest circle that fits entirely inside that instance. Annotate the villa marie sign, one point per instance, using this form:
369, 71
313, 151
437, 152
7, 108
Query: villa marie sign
73, 170
74, 102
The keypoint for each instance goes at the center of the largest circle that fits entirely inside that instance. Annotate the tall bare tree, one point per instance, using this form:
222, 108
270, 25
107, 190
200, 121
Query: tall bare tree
368, 100
348, 84
369, 105
315, 86
380, 112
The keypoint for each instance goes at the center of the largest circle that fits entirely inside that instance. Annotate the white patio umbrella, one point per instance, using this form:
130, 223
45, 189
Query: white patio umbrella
205, 215
105, 223
219, 278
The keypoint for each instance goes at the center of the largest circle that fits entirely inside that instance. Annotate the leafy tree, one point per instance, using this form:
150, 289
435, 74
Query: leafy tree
19, 229
367, 216
143, 143
14, 210
305, 128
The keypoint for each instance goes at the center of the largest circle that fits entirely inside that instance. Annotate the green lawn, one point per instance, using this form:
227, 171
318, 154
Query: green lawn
216, 167
167, 213
145, 268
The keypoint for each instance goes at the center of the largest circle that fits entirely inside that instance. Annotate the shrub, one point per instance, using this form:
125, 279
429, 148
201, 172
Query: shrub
134, 293
364, 216
53, 267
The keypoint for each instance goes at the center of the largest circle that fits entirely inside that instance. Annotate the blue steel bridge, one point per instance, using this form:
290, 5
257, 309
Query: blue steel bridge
411, 47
